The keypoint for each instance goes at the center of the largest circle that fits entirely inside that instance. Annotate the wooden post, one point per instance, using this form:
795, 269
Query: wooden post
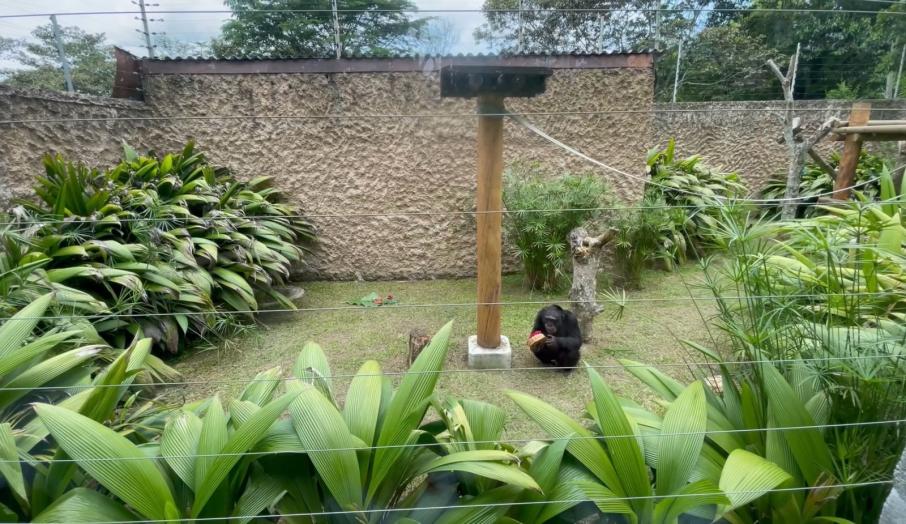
852, 146
490, 203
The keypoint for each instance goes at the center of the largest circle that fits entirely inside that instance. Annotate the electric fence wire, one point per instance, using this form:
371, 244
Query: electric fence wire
387, 307
420, 445
466, 505
900, 359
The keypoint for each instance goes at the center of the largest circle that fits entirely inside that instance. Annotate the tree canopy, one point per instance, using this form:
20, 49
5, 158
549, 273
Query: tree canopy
90, 58
302, 28
725, 42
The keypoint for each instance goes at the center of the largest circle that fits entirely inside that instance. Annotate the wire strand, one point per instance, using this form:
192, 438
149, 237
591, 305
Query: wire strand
417, 445
503, 504
364, 116
896, 357
150, 314
544, 11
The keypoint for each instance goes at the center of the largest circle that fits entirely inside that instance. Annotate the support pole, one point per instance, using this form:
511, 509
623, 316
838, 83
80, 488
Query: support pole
679, 56
852, 146
490, 205
146, 32
336, 29
58, 41
896, 86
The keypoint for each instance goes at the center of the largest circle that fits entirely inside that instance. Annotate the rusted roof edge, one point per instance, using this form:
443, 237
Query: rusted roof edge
390, 65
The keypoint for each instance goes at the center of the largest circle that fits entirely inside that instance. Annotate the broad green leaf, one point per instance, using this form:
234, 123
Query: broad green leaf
623, 449
211, 440
17, 329
747, 476
662, 384
559, 426
241, 441
486, 508
33, 349
363, 402
178, 444
46, 371
261, 492
112, 460
10, 468
807, 445
484, 463
606, 500
683, 434
262, 387
408, 406
312, 367
321, 427
691, 496
82, 505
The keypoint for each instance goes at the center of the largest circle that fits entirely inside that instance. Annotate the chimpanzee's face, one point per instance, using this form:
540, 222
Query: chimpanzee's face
551, 321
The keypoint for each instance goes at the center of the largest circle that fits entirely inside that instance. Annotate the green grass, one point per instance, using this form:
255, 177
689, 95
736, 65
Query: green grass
648, 332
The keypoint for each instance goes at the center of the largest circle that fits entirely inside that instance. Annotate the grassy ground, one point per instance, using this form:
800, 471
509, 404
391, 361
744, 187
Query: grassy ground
648, 332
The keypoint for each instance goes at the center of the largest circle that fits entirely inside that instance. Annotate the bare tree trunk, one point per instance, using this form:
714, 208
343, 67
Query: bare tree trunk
586, 252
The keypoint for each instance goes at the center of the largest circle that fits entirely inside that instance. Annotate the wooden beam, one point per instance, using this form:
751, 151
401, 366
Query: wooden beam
821, 163
852, 146
489, 207
875, 129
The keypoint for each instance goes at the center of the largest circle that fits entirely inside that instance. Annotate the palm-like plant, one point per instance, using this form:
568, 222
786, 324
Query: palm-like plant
172, 241
37, 365
627, 443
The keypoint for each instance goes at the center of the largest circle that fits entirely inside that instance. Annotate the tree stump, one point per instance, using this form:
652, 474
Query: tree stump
418, 339
586, 253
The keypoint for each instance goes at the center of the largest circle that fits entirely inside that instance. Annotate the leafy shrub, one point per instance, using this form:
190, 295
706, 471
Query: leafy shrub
816, 181
541, 238
694, 192
153, 243
831, 291
645, 233
65, 367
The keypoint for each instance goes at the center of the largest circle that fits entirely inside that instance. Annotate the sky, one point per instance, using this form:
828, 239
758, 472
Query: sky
122, 30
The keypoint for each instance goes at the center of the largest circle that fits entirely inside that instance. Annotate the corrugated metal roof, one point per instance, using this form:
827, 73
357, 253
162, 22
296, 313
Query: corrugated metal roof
362, 56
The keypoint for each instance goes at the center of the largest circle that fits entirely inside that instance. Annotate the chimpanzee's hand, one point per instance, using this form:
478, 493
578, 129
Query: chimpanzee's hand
550, 343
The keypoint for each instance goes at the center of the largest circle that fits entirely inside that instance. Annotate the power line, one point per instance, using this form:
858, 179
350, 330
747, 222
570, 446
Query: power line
514, 11
417, 445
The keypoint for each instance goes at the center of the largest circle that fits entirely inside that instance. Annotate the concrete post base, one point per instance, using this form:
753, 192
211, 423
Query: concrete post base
490, 358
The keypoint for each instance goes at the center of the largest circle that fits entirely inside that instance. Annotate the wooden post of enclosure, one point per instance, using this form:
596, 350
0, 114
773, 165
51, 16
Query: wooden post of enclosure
489, 207
852, 146
490, 85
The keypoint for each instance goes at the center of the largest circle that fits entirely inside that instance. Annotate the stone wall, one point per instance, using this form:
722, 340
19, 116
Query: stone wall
742, 136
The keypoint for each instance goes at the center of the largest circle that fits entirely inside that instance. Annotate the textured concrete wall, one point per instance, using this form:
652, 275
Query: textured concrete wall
392, 164
333, 164
95, 142
340, 165
742, 136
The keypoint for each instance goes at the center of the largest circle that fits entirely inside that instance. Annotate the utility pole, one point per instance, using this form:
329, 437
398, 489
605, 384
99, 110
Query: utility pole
600, 33
146, 32
657, 25
896, 88
679, 57
521, 42
336, 29
58, 41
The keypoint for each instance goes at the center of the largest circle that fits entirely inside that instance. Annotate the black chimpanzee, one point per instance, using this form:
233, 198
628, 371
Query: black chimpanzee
561, 347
